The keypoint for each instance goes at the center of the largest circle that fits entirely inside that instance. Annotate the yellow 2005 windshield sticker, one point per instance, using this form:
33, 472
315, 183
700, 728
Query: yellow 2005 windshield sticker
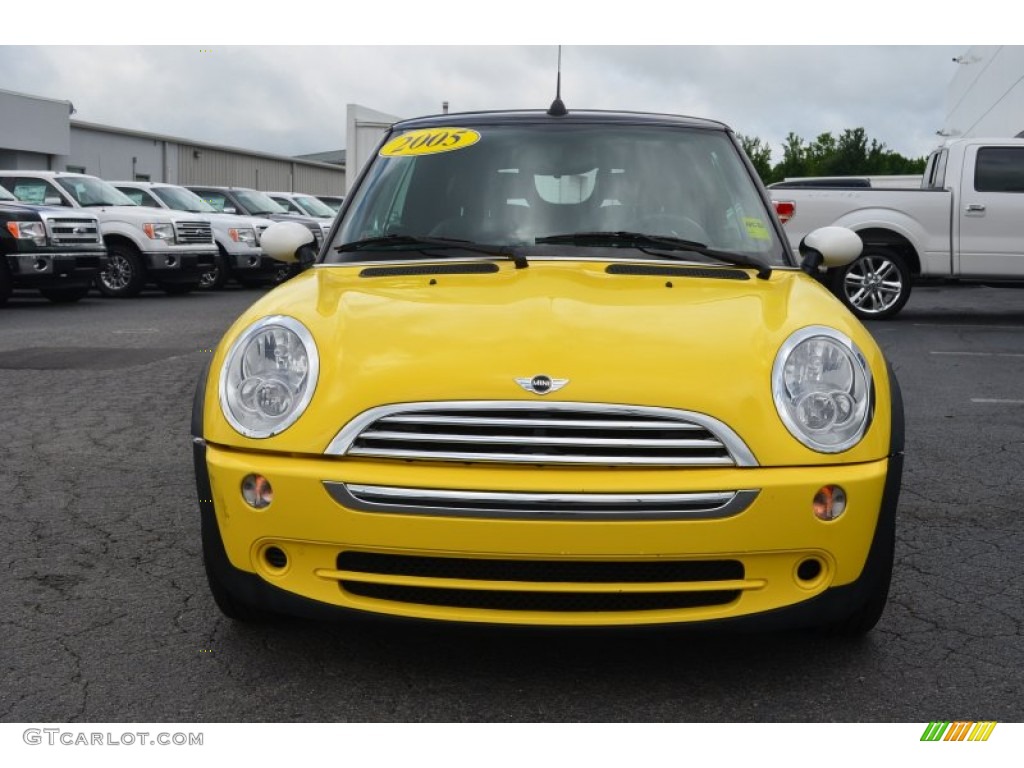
430, 141
756, 229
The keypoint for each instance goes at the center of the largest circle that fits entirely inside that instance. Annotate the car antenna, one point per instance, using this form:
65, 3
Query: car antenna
557, 108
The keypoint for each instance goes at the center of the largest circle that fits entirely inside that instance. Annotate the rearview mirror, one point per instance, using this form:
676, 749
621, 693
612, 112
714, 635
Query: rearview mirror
288, 241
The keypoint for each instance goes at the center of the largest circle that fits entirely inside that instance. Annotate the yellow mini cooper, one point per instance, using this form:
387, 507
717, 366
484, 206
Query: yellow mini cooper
552, 368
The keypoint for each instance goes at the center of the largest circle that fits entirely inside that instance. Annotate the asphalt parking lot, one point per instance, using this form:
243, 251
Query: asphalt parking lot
106, 616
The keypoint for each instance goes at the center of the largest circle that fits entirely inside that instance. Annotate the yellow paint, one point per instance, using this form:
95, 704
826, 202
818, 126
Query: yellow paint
706, 345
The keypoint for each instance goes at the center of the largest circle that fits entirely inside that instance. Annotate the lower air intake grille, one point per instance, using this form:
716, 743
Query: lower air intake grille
561, 602
587, 571
631, 586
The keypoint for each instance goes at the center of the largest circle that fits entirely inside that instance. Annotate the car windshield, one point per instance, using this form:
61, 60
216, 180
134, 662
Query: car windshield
181, 199
7, 196
257, 202
334, 203
314, 207
289, 206
515, 185
88, 191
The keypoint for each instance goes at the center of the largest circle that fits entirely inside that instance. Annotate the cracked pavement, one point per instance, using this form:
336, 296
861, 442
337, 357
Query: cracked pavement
106, 616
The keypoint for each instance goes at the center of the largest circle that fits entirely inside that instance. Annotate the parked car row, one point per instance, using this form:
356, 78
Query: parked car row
67, 232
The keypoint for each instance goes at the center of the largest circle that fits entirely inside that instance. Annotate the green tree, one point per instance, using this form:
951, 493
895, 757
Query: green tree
852, 154
760, 155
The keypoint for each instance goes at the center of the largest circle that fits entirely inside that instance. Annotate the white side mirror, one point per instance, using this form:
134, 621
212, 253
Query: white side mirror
283, 239
830, 247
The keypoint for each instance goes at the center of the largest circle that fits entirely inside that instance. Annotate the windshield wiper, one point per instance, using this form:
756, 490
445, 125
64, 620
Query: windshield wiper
420, 243
646, 242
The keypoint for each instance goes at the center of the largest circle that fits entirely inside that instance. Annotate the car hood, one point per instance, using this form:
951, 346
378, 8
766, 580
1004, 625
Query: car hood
697, 343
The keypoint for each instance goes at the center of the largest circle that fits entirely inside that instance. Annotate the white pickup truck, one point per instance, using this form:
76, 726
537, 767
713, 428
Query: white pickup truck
965, 222
144, 245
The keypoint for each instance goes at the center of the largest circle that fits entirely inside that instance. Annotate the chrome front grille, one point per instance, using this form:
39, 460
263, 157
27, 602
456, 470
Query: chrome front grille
73, 230
520, 432
193, 232
540, 506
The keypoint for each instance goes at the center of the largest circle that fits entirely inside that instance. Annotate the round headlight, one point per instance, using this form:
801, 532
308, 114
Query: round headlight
822, 389
269, 376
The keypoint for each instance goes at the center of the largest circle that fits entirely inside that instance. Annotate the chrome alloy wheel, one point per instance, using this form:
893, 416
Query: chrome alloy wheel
873, 285
118, 273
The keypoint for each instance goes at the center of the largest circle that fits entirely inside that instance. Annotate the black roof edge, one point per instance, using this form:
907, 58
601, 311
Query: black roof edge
574, 116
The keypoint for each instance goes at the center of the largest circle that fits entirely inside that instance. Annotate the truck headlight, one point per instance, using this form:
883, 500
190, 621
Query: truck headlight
28, 230
269, 376
158, 231
243, 235
822, 389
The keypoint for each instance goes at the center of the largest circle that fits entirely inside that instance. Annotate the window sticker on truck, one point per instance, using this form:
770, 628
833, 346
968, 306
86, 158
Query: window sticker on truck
430, 141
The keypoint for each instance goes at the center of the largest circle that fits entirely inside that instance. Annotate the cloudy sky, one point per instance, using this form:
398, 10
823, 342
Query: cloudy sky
291, 99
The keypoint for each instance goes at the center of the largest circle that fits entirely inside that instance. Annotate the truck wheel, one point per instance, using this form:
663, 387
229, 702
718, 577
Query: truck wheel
64, 295
875, 286
123, 277
215, 278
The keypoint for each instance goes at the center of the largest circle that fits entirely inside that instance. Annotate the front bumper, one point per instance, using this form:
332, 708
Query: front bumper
44, 270
179, 267
255, 265
752, 565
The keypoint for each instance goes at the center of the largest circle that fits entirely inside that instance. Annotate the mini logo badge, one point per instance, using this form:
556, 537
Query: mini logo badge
541, 384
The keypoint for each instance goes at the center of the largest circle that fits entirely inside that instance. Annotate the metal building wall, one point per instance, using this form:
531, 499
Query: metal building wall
205, 165
37, 134
115, 156
33, 124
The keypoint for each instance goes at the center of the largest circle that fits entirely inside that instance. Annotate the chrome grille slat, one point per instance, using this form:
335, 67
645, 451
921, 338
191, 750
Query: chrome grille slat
513, 422
72, 231
537, 458
616, 442
193, 232
546, 506
555, 432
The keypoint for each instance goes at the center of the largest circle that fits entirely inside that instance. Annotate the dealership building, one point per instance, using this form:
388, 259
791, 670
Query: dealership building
40, 134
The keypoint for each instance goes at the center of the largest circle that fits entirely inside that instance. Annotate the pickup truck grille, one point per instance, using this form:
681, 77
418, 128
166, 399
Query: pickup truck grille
73, 231
522, 432
193, 232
